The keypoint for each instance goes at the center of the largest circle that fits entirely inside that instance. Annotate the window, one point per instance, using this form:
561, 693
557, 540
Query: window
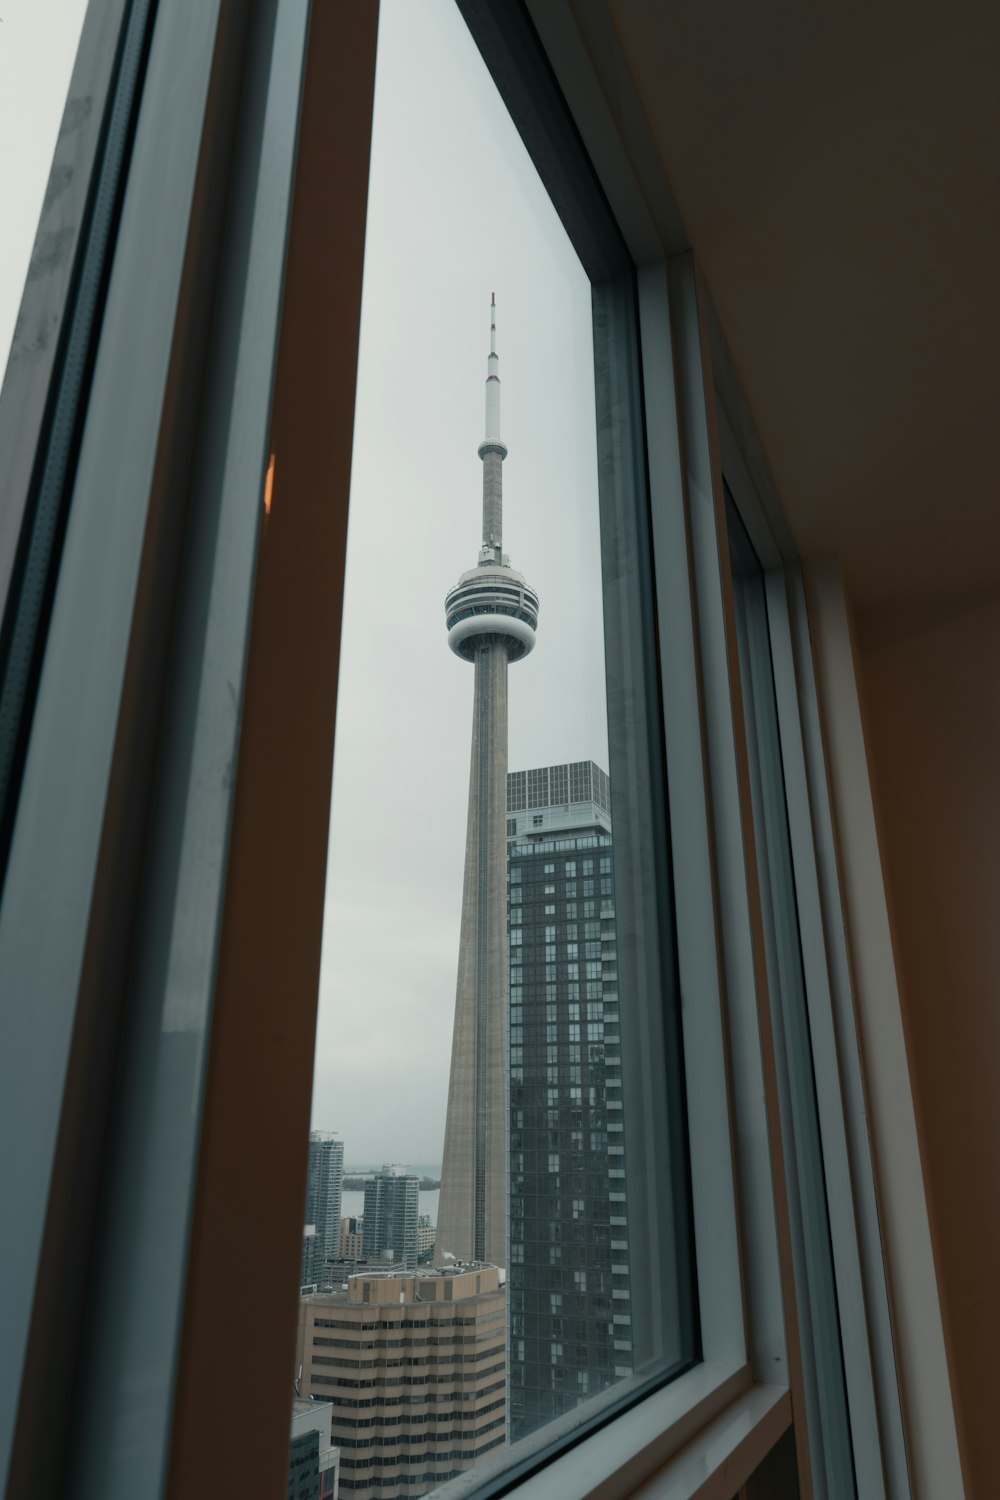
194, 600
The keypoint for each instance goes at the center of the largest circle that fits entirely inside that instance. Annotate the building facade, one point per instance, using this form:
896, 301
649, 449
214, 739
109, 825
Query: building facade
323, 1196
351, 1238
426, 1235
492, 617
313, 1461
311, 1273
414, 1367
570, 1310
389, 1228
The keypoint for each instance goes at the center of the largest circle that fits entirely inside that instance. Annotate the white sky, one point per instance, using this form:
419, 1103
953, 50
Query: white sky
456, 211
38, 41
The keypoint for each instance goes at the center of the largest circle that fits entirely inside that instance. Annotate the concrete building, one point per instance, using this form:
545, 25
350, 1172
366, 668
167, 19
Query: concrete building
339, 1272
390, 1220
426, 1236
351, 1238
414, 1367
492, 617
324, 1193
569, 1295
313, 1461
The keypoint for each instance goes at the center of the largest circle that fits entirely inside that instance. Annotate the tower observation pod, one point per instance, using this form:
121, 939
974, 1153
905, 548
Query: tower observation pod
492, 618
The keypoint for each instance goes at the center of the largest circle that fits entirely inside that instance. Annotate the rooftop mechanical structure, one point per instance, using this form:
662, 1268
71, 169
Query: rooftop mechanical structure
492, 619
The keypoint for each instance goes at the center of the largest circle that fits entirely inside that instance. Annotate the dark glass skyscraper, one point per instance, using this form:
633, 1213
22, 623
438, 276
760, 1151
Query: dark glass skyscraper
568, 1275
392, 1201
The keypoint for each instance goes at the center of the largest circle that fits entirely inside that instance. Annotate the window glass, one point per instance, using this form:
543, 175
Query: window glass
463, 1108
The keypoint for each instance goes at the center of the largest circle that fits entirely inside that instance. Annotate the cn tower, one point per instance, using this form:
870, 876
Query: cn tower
492, 616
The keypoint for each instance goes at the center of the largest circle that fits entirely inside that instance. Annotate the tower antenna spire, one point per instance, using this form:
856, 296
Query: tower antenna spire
492, 451
492, 617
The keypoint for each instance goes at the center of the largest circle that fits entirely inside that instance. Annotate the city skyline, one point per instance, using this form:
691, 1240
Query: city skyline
394, 886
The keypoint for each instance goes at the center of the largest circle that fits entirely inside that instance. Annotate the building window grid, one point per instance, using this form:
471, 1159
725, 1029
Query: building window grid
552, 1201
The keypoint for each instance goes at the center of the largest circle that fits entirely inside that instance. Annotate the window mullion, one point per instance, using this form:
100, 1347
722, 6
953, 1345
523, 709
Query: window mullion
876, 1426
771, 1314
712, 1168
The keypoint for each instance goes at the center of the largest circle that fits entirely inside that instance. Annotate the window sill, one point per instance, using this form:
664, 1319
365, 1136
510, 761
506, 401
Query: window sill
700, 1436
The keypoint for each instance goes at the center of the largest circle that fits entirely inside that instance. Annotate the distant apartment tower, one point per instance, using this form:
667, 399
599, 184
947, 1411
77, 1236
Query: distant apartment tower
392, 1201
415, 1369
568, 1276
313, 1462
324, 1195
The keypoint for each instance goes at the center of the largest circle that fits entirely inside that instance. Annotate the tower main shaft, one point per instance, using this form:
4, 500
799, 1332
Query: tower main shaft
492, 617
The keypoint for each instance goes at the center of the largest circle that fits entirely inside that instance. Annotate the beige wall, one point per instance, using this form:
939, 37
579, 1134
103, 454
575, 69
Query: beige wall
931, 700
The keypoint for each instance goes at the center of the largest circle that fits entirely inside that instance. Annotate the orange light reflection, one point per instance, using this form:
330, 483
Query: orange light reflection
268, 486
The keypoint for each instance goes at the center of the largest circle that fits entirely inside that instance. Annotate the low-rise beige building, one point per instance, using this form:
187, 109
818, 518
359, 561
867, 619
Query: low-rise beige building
351, 1238
415, 1366
426, 1233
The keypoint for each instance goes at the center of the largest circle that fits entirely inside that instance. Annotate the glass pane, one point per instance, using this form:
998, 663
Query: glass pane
496, 1231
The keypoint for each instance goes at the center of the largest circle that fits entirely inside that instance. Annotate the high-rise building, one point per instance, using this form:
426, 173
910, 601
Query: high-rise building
492, 617
568, 1279
324, 1193
414, 1366
392, 1201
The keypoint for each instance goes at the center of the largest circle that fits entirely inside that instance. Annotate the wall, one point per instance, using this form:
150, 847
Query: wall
931, 699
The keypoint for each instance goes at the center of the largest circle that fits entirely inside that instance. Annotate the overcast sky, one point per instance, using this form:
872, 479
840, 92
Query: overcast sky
38, 40
456, 211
